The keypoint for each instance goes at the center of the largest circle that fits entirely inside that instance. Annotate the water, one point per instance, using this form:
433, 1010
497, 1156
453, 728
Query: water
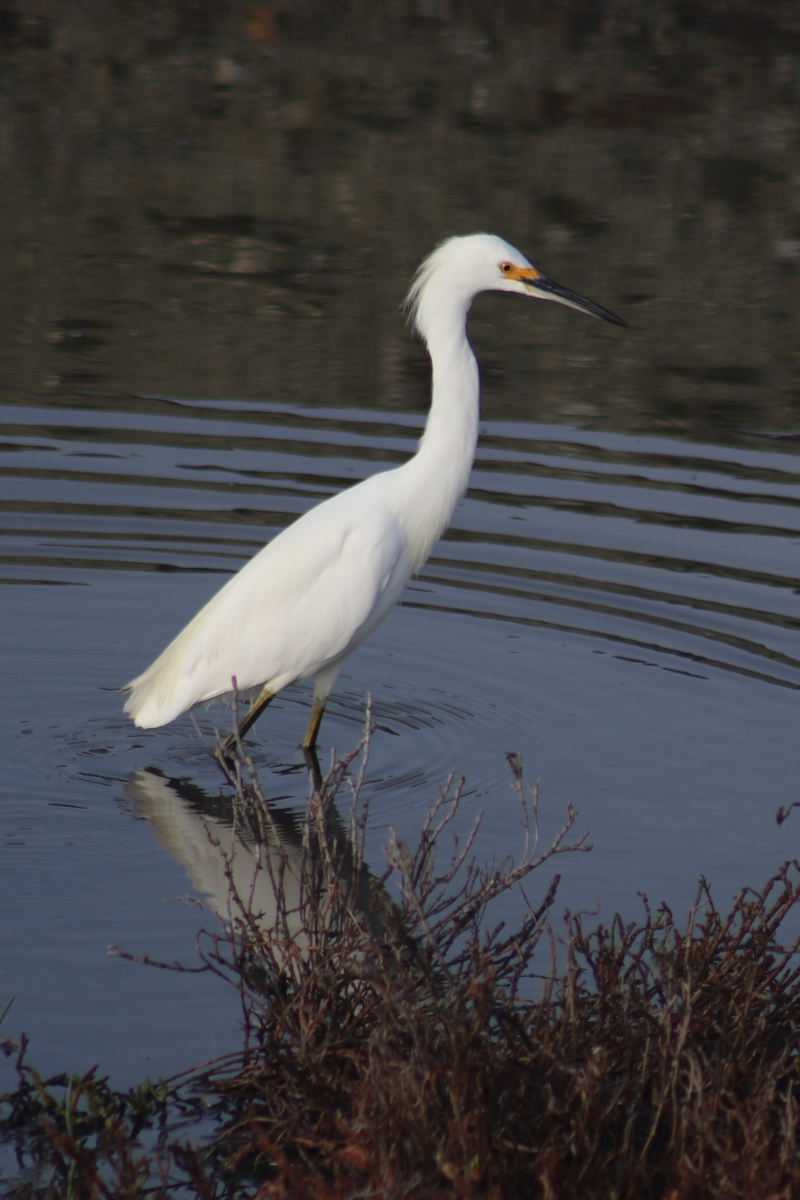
620, 610
210, 216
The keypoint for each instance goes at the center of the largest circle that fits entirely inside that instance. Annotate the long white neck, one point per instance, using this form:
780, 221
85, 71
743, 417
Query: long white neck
441, 467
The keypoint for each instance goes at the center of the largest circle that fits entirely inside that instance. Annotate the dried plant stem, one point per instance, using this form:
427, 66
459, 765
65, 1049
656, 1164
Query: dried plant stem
397, 1045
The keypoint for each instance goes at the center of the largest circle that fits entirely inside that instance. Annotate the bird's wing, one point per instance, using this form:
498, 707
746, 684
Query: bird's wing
317, 593
309, 597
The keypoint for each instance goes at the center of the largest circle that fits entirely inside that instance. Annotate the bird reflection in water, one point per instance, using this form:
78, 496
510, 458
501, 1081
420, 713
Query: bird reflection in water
267, 874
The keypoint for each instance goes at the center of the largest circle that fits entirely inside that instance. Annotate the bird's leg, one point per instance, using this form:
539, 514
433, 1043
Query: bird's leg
315, 720
312, 762
310, 740
264, 697
225, 751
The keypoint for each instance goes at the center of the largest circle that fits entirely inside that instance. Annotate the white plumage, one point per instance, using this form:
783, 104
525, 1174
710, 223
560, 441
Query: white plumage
320, 588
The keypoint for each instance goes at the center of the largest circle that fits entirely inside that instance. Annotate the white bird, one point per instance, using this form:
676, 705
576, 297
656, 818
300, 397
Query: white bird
306, 601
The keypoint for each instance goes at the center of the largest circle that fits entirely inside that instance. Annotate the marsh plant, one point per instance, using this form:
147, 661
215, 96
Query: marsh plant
398, 1043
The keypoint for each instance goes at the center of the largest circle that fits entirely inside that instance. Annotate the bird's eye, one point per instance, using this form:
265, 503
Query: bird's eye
505, 268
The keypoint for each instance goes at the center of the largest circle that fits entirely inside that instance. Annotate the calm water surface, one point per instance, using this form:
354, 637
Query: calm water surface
621, 610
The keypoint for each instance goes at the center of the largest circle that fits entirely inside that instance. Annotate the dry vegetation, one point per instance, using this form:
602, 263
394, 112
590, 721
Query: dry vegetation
405, 1048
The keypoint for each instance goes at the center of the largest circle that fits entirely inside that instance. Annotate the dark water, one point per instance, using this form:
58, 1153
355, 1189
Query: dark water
208, 230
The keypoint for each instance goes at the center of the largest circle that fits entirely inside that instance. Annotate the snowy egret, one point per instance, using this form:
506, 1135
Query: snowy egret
319, 589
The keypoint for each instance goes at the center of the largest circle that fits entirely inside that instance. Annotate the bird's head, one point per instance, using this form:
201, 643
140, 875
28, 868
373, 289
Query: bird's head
463, 266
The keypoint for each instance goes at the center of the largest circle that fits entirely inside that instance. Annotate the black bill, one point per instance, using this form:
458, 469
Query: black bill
563, 295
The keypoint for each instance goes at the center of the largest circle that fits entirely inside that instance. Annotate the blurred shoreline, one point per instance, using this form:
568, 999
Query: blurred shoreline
230, 200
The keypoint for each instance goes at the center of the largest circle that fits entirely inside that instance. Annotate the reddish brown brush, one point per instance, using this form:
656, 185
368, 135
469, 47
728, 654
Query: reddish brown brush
397, 1047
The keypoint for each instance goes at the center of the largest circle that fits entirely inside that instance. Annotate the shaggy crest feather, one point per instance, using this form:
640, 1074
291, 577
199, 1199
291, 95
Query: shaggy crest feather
422, 277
